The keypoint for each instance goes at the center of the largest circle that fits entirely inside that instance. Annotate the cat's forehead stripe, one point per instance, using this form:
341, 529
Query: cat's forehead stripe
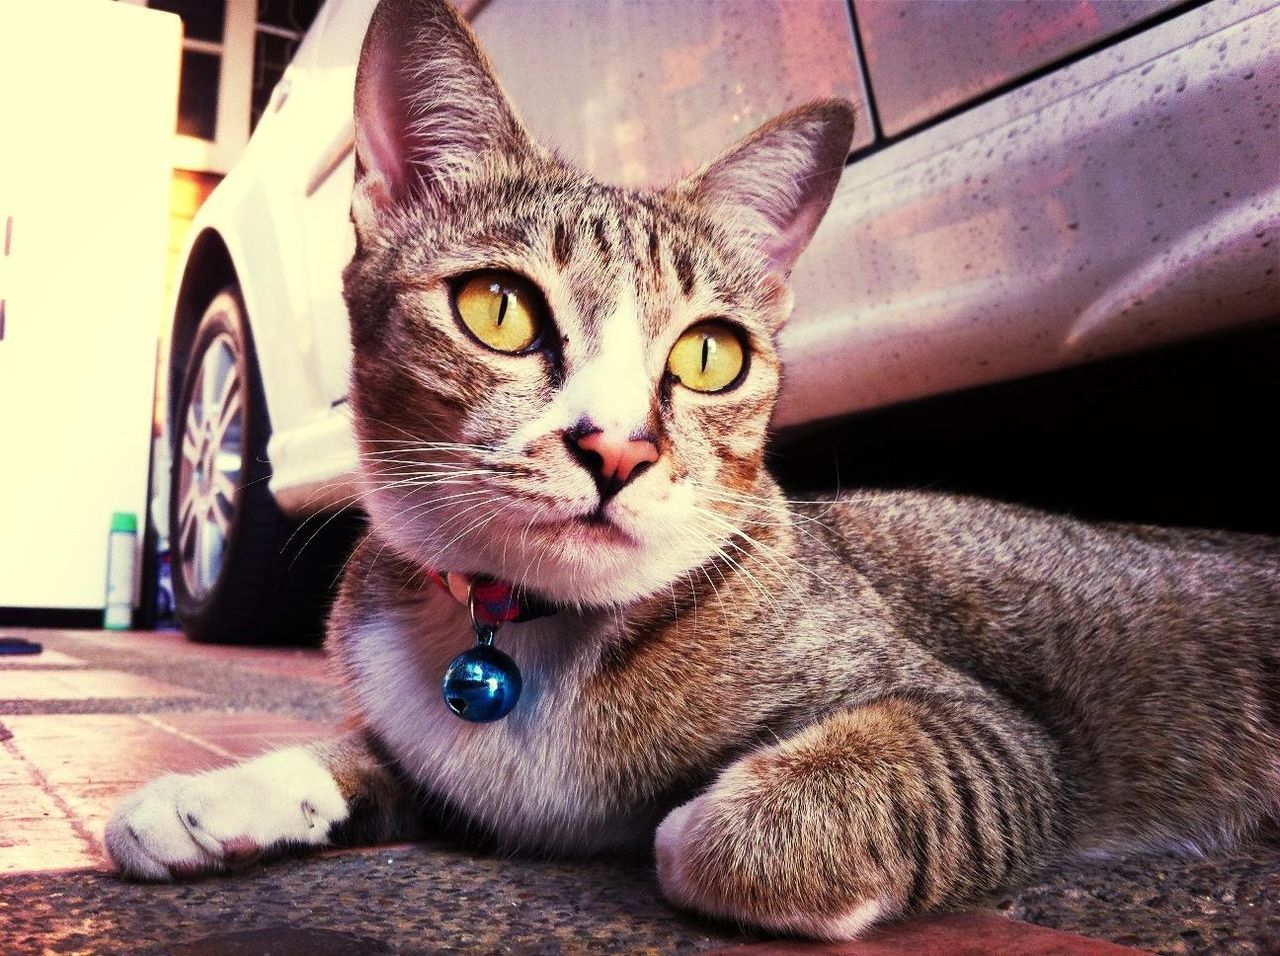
684, 268
611, 229
562, 245
600, 233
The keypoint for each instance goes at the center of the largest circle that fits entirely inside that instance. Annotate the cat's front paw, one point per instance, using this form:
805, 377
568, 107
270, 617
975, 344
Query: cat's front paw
742, 852
184, 825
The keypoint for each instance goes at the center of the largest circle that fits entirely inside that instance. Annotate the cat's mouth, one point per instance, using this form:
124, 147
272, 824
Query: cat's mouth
595, 527
597, 517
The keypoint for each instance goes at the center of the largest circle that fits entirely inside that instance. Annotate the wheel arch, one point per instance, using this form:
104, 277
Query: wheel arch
208, 270
214, 263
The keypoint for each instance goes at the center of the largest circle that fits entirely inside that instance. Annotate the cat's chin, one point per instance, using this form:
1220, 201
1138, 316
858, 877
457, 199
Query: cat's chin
595, 558
585, 561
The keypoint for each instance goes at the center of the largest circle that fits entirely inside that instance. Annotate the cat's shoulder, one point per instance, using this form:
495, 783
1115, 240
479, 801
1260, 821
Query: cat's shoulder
918, 508
938, 517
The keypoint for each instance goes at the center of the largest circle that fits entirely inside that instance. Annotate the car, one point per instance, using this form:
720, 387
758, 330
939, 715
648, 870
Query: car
1034, 188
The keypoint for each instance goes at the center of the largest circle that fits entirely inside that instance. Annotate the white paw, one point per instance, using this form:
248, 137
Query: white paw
181, 825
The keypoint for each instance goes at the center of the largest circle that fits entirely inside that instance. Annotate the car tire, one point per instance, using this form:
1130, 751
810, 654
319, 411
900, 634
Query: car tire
238, 571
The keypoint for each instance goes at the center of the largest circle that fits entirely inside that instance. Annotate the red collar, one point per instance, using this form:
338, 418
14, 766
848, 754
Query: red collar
497, 602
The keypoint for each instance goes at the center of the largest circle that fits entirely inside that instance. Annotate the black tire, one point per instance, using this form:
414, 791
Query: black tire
264, 587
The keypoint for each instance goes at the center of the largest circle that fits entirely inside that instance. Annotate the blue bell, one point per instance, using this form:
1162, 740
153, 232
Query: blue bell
482, 684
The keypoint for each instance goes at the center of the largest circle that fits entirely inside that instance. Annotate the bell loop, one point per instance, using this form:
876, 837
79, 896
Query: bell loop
482, 629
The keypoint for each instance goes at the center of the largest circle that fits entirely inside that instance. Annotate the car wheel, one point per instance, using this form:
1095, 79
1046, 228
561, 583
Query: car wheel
237, 575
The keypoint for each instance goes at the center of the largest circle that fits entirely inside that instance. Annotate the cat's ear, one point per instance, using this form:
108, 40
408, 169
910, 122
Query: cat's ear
776, 184
428, 108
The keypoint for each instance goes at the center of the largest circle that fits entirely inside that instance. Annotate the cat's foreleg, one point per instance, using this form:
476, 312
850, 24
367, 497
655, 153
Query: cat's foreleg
897, 806
295, 798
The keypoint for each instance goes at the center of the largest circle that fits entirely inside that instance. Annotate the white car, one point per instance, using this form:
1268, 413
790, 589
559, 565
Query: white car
1033, 186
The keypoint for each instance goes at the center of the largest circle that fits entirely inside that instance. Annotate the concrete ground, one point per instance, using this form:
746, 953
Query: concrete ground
97, 714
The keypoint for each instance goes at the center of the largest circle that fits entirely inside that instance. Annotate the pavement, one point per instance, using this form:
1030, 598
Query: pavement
97, 714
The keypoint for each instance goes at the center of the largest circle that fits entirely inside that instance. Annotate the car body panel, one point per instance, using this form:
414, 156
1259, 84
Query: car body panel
995, 43
1113, 205
640, 94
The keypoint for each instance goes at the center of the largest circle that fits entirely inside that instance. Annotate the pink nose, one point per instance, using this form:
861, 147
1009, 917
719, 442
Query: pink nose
611, 457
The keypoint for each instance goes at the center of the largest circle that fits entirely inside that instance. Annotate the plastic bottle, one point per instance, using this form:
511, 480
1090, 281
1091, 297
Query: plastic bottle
122, 551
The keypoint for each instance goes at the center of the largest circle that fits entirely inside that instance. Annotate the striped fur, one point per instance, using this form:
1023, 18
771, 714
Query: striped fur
830, 714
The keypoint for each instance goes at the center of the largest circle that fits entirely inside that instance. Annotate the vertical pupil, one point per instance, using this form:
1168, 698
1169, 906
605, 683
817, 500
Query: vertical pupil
706, 351
502, 306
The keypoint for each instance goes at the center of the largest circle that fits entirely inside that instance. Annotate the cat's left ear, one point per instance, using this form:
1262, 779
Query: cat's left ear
428, 108
777, 183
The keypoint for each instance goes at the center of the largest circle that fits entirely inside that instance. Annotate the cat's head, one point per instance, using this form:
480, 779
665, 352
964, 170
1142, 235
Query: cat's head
556, 381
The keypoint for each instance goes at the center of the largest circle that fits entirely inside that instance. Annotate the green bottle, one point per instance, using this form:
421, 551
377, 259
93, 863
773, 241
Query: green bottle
122, 554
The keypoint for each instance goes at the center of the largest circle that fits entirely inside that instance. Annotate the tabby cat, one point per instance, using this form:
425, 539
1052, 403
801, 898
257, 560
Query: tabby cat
830, 714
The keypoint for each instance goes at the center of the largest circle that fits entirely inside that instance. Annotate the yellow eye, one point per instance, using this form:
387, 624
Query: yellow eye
501, 310
708, 357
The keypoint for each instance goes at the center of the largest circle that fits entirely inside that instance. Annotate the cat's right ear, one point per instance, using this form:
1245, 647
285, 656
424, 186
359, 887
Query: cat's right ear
428, 108
775, 186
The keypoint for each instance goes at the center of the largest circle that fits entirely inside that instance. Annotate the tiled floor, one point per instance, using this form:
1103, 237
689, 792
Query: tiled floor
62, 773
98, 714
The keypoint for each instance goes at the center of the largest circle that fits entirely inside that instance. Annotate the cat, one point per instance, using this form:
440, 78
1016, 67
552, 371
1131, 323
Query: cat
822, 715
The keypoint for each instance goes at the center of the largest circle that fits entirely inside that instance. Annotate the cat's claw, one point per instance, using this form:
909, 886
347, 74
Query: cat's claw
181, 826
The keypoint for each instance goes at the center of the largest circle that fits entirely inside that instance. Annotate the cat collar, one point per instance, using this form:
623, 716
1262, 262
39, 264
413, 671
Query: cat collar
483, 684
497, 602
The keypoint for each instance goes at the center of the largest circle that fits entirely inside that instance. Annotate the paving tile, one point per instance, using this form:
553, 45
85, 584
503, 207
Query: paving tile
12, 774
38, 846
13, 771
71, 748
308, 665
21, 797
83, 685
36, 832
974, 933
86, 748
294, 662
92, 760
244, 734
46, 658
93, 803
236, 723
25, 801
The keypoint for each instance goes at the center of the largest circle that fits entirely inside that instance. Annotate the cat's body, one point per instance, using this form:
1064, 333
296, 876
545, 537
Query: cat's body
1092, 632
831, 713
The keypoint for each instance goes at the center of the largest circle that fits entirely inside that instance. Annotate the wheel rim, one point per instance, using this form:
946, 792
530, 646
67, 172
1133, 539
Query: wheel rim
209, 466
